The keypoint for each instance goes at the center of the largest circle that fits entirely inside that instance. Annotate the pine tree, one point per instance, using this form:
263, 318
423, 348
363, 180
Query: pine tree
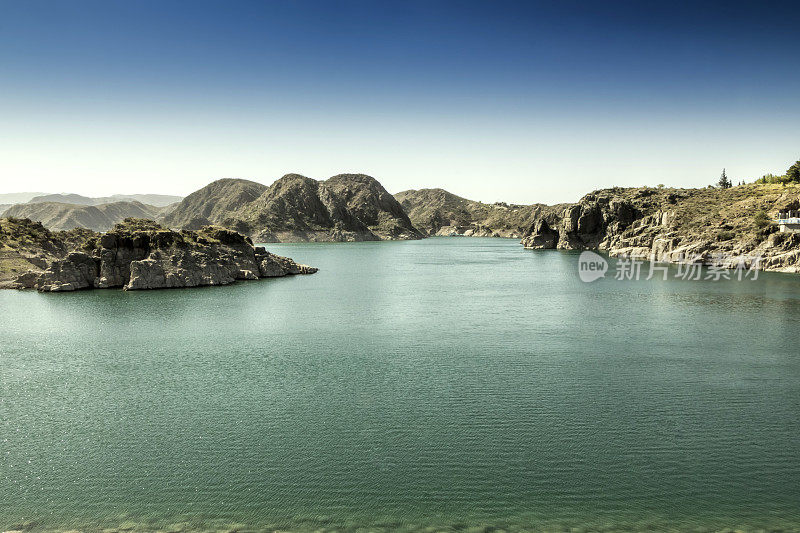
724, 182
794, 172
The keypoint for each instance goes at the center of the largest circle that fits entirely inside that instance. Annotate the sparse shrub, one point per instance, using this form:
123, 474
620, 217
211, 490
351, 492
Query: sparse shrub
773, 179
761, 219
778, 238
725, 236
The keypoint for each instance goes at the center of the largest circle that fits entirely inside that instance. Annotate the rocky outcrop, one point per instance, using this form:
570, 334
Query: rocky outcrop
76, 271
347, 207
541, 237
272, 266
26, 245
140, 254
718, 227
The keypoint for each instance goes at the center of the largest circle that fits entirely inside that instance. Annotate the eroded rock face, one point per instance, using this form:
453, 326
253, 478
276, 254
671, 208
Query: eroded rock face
709, 226
271, 265
76, 271
542, 237
580, 226
143, 255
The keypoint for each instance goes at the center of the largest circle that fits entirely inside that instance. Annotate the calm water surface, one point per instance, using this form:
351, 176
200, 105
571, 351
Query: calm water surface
462, 384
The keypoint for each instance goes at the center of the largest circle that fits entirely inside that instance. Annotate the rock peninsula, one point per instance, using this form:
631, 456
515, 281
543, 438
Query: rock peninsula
136, 254
709, 226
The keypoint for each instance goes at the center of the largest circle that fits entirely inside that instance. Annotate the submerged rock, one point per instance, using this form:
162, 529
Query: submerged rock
140, 254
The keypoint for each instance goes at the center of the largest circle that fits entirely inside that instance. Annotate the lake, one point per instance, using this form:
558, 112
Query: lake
444, 384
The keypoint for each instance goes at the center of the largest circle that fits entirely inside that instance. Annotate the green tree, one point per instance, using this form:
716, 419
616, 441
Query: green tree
794, 172
724, 182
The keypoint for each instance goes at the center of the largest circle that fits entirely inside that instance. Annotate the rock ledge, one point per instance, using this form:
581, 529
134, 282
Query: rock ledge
140, 254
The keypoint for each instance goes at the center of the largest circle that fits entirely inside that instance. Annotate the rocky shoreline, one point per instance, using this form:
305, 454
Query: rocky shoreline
137, 254
476, 231
721, 227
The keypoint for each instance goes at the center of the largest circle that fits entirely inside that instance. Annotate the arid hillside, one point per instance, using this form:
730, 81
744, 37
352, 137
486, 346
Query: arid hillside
672, 224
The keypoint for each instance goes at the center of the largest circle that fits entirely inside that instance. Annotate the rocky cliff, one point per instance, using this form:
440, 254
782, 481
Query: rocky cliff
347, 207
710, 226
439, 212
62, 216
137, 254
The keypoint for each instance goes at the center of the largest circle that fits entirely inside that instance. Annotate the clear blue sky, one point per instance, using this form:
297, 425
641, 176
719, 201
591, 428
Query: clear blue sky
514, 101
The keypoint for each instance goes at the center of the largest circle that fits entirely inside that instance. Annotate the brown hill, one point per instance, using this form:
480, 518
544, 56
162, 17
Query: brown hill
61, 216
439, 212
347, 207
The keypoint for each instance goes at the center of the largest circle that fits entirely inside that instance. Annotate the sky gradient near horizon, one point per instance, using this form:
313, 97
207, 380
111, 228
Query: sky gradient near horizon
515, 101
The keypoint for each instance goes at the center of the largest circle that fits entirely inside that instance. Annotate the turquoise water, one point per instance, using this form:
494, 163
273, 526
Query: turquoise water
444, 384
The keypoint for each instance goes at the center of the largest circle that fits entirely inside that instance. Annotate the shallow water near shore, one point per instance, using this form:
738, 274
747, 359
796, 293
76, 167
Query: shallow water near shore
446, 384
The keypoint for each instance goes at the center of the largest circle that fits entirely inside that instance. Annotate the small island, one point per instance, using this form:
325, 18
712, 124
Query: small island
135, 254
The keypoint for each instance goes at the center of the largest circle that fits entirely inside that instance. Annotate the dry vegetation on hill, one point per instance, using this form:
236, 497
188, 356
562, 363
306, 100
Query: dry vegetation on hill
436, 211
346, 207
671, 224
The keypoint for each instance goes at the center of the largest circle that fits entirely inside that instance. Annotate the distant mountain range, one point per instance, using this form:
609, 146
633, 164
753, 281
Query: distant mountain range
9, 199
68, 211
158, 200
18, 197
345, 207
63, 216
